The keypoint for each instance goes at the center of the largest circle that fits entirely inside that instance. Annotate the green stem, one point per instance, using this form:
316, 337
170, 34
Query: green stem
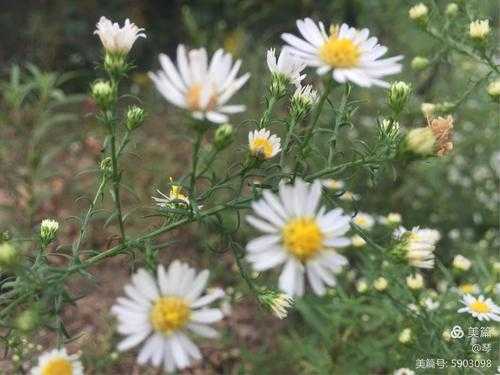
266, 116
195, 158
116, 176
286, 144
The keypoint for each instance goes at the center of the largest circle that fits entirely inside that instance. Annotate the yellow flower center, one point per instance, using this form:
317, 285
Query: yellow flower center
339, 52
58, 366
169, 314
479, 307
176, 193
193, 98
262, 147
302, 237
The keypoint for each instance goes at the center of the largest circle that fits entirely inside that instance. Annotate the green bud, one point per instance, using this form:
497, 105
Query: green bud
494, 89
223, 136
279, 83
419, 63
420, 141
303, 99
451, 10
135, 117
419, 13
115, 64
48, 231
9, 256
27, 320
102, 92
398, 95
106, 166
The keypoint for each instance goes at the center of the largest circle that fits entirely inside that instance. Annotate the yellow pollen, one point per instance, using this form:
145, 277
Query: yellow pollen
193, 98
479, 307
169, 314
261, 147
339, 52
176, 193
302, 237
58, 366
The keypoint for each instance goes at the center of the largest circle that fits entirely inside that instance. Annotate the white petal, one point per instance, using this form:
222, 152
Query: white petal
206, 316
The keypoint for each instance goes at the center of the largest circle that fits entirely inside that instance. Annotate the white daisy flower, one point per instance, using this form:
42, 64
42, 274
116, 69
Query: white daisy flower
418, 245
162, 311
461, 263
300, 234
364, 220
116, 39
201, 87
58, 362
263, 145
287, 66
349, 53
480, 308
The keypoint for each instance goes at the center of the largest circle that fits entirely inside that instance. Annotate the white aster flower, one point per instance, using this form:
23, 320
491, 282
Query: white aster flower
468, 288
48, 230
263, 145
462, 263
300, 234
287, 66
418, 245
364, 220
430, 304
201, 87
405, 336
116, 39
280, 305
415, 282
480, 308
349, 53
404, 371
380, 284
163, 311
58, 362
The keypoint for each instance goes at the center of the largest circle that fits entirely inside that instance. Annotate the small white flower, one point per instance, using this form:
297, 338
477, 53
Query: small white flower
163, 311
419, 245
418, 11
415, 281
361, 286
405, 336
300, 234
494, 88
262, 144
393, 218
479, 29
350, 54
364, 220
430, 304
480, 308
58, 362
116, 39
198, 86
468, 288
287, 65
462, 263
404, 371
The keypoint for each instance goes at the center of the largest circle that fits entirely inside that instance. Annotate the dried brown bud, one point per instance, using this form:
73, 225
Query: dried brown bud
442, 128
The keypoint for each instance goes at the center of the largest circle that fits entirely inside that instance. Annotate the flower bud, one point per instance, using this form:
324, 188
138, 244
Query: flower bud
451, 10
415, 282
494, 89
420, 141
357, 241
106, 166
27, 320
405, 336
390, 129
102, 92
9, 256
419, 12
279, 83
428, 109
116, 64
461, 263
303, 99
48, 231
278, 303
135, 117
223, 136
398, 95
380, 284
419, 63
479, 29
